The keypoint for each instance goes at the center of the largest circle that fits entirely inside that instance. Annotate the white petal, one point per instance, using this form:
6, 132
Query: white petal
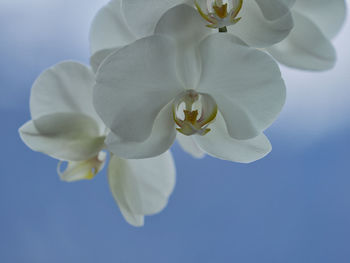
143, 15
305, 48
162, 137
109, 28
132, 219
256, 30
184, 24
130, 101
245, 83
97, 58
65, 87
274, 9
64, 136
328, 15
142, 187
189, 145
219, 144
83, 170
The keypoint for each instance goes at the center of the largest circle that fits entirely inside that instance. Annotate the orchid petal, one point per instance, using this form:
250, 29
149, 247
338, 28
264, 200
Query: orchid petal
109, 28
328, 15
219, 144
97, 58
189, 145
83, 170
130, 101
133, 219
142, 187
255, 30
143, 15
64, 136
246, 84
184, 24
162, 137
274, 9
305, 48
65, 87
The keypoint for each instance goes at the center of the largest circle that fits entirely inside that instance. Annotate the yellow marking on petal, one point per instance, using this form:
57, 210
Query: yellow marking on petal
218, 16
204, 15
90, 175
235, 20
221, 11
190, 123
191, 116
87, 169
206, 131
236, 10
211, 117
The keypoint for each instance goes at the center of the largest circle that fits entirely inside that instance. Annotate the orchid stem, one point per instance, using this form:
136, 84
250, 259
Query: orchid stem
223, 29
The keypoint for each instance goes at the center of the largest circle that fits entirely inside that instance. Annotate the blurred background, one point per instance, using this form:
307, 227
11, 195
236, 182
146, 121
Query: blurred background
292, 206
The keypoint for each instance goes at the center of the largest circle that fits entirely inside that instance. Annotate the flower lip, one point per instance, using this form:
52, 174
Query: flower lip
87, 169
217, 13
193, 112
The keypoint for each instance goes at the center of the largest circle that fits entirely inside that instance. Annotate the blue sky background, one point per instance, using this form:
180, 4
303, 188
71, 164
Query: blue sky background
292, 207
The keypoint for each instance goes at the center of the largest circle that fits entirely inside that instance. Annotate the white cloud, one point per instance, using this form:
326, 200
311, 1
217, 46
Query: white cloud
31, 22
36, 34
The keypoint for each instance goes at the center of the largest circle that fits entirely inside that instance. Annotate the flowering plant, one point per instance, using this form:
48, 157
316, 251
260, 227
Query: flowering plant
204, 72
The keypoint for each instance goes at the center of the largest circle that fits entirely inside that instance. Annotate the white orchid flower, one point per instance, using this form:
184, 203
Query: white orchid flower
213, 88
65, 126
309, 45
262, 23
113, 27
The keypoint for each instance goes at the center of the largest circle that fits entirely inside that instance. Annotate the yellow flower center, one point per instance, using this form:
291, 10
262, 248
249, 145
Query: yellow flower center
220, 10
193, 112
217, 14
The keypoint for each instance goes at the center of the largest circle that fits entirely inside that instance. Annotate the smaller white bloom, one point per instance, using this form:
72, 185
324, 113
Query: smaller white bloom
309, 46
87, 169
213, 88
259, 23
65, 126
